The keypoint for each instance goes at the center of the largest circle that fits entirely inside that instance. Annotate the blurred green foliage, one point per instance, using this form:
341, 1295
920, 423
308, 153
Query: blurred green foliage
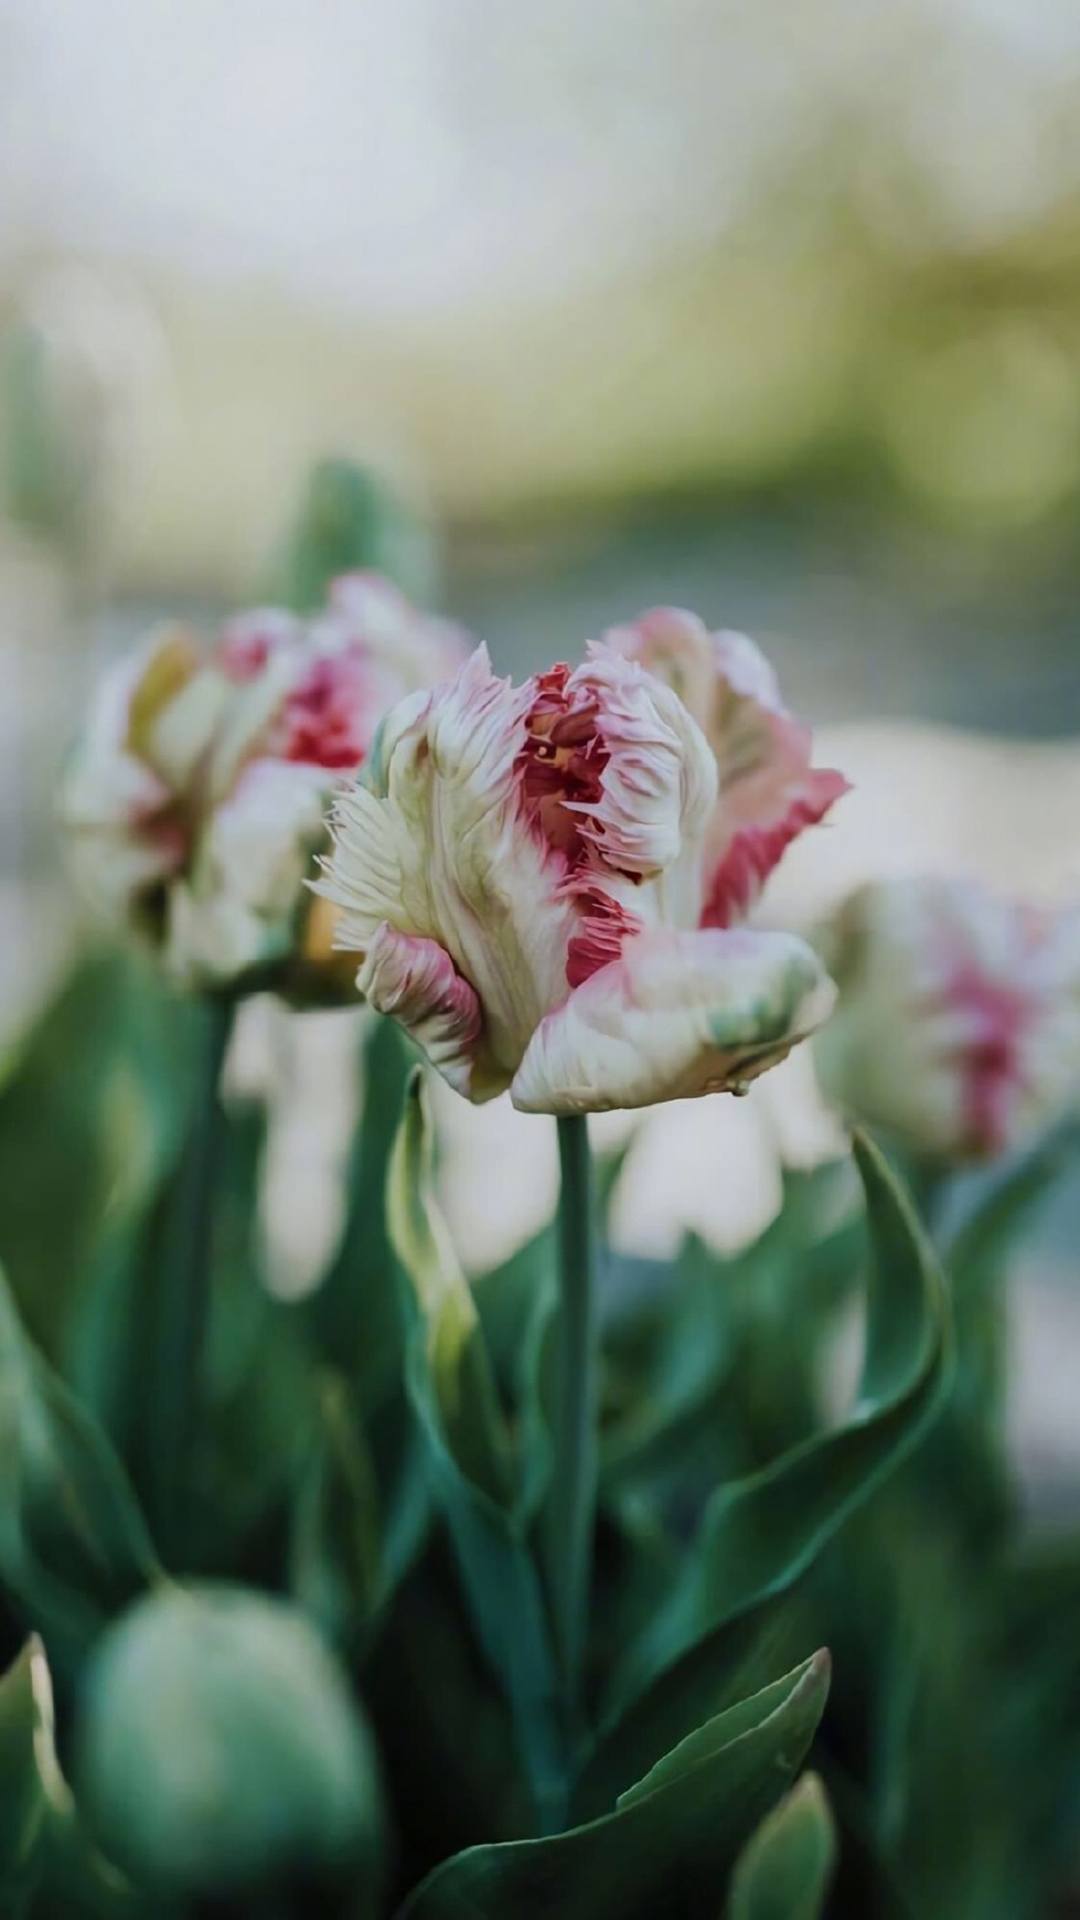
369, 1472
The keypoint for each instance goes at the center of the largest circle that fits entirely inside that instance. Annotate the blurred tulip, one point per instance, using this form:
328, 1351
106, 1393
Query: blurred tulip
219, 1744
540, 881
196, 800
958, 1023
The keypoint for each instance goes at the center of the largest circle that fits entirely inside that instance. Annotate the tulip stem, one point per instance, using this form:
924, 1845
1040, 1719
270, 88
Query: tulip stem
185, 1292
572, 1502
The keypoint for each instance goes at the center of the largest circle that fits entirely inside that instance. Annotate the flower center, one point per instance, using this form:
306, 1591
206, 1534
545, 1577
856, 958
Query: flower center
325, 716
560, 769
562, 762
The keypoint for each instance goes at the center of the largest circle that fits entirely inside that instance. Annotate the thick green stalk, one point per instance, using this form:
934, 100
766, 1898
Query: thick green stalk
572, 1501
185, 1295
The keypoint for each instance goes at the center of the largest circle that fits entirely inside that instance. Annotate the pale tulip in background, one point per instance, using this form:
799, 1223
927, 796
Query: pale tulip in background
195, 802
958, 1023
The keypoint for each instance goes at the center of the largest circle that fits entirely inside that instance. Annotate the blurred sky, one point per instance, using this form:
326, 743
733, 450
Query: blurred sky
524, 258
400, 155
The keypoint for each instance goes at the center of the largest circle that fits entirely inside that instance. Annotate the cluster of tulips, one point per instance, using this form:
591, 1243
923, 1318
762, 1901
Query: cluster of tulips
552, 890
548, 885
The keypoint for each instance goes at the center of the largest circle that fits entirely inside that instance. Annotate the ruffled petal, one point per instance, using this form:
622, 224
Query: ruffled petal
434, 843
658, 785
678, 1014
768, 790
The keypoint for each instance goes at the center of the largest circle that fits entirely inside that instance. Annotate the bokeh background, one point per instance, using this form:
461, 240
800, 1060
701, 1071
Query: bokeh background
768, 309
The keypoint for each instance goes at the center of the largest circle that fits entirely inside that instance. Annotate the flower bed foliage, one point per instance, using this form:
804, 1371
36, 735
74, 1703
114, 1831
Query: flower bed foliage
565, 1589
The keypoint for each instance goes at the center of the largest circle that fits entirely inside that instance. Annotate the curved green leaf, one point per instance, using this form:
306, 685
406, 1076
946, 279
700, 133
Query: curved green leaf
25, 1748
759, 1534
354, 1315
449, 1381
335, 1545
93, 1104
44, 1851
783, 1871
669, 1843
73, 1545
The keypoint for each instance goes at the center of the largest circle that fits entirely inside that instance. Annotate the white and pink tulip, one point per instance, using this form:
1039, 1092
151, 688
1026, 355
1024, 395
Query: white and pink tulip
529, 877
958, 1023
196, 800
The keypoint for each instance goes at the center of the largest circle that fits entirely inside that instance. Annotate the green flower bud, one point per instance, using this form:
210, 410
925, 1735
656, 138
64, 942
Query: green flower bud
218, 1743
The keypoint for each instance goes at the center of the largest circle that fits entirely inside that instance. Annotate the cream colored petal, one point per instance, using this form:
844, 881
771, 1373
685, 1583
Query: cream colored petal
434, 843
678, 1014
240, 906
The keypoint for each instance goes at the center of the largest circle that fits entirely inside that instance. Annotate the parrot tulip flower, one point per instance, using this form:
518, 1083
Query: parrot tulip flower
958, 1024
527, 874
768, 790
197, 799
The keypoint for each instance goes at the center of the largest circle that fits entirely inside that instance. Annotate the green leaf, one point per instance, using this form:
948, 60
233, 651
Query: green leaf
25, 1747
718, 1371
977, 1261
44, 1852
783, 1871
73, 1545
516, 1303
92, 1107
354, 1316
335, 1548
449, 1380
456, 1360
759, 1534
670, 1842
256, 1388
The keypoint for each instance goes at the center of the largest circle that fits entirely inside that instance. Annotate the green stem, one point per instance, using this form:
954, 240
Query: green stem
572, 1504
185, 1301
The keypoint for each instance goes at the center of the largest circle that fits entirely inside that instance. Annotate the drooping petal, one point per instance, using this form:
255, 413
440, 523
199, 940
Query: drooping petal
678, 1014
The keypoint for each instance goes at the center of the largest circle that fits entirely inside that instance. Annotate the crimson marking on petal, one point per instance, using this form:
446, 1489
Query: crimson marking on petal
605, 924
326, 717
990, 1063
755, 851
560, 771
560, 767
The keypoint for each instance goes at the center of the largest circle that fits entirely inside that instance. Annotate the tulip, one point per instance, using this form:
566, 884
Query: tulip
958, 1024
768, 790
197, 799
540, 881
218, 1745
